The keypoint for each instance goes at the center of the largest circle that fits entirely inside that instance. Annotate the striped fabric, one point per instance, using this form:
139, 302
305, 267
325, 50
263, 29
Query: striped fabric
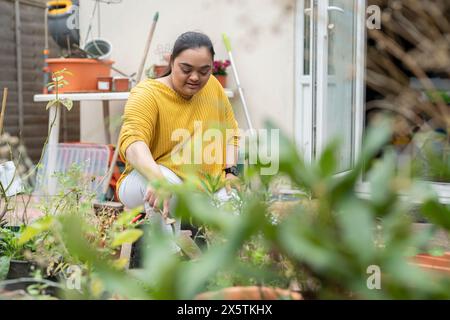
186, 136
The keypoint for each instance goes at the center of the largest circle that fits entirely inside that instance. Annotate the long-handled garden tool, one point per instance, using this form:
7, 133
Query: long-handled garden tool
227, 43
147, 47
2, 113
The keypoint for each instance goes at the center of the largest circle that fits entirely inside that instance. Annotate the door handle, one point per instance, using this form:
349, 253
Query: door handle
331, 26
330, 8
334, 8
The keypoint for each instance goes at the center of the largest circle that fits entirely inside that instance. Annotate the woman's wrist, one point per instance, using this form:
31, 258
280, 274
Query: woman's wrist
232, 170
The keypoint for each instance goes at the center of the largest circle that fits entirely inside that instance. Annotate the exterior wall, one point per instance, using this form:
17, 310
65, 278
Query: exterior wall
262, 36
35, 117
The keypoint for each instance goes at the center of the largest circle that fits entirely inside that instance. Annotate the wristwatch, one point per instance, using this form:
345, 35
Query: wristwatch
233, 170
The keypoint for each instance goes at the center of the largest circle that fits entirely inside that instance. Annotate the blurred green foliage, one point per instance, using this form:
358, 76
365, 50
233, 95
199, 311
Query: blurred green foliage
327, 242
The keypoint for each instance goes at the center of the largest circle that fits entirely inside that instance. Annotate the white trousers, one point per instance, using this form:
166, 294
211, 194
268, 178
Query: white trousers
132, 192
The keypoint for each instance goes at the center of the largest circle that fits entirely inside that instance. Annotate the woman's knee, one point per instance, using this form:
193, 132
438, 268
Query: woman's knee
133, 187
132, 190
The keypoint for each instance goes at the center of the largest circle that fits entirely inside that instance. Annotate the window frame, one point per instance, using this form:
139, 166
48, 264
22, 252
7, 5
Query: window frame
305, 117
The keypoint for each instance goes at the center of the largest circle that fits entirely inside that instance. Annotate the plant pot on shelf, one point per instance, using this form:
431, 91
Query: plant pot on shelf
121, 84
104, 84
84, 73
159, 70
222, 79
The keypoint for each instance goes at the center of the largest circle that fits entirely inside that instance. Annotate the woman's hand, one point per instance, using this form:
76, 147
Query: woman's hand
154, 199
232, 182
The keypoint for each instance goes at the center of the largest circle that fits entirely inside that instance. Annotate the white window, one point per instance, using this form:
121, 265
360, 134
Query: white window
330, 77
330, 87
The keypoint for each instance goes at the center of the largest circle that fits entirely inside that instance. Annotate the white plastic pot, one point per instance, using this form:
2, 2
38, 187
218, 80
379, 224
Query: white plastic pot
99, 49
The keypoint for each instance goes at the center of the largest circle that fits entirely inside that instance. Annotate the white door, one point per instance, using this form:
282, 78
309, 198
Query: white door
330, 77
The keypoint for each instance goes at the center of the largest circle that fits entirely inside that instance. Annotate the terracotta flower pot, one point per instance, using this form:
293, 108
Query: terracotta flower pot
439, 264
250, 293
222, 79
84, 73
121, 84
159, 70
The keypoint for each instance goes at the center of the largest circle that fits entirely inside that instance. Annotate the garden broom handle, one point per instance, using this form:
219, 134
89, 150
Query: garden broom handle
227, 43
2, 115
110, 172
147, 47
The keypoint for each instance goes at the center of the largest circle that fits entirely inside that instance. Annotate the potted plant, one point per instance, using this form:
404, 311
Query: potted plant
157, 70
19, 266
260, 275
250, 293
220, 71
13, 261
438, 264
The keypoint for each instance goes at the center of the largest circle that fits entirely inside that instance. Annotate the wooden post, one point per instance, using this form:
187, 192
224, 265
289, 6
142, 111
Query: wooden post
19, 66
2, 114
52, 147
106, 121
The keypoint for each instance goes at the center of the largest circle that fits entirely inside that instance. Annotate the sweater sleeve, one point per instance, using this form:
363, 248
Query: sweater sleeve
139, 119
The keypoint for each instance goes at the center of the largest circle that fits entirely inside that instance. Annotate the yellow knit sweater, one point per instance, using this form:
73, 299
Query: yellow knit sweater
186, 136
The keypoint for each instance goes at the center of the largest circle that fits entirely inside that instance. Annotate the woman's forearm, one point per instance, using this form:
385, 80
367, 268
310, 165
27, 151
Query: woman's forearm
139, 156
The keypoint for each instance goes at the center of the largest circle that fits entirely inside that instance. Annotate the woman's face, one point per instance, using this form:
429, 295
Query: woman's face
191, 71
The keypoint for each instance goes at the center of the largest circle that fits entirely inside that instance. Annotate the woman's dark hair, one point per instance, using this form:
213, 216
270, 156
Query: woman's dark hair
189, 40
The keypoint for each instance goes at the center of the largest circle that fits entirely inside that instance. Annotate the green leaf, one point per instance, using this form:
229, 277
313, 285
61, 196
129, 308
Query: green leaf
357, 224
51, 104
73, 231
198, 207
306, 246
188, 246
35, 229
67, 103
127, 236
437, 252
376, 137
327, 161
380, 178
62, 71
4, 267
437, 213
57, 78
126, 217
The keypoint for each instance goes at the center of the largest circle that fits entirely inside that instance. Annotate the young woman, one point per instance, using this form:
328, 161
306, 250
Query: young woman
164, 116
